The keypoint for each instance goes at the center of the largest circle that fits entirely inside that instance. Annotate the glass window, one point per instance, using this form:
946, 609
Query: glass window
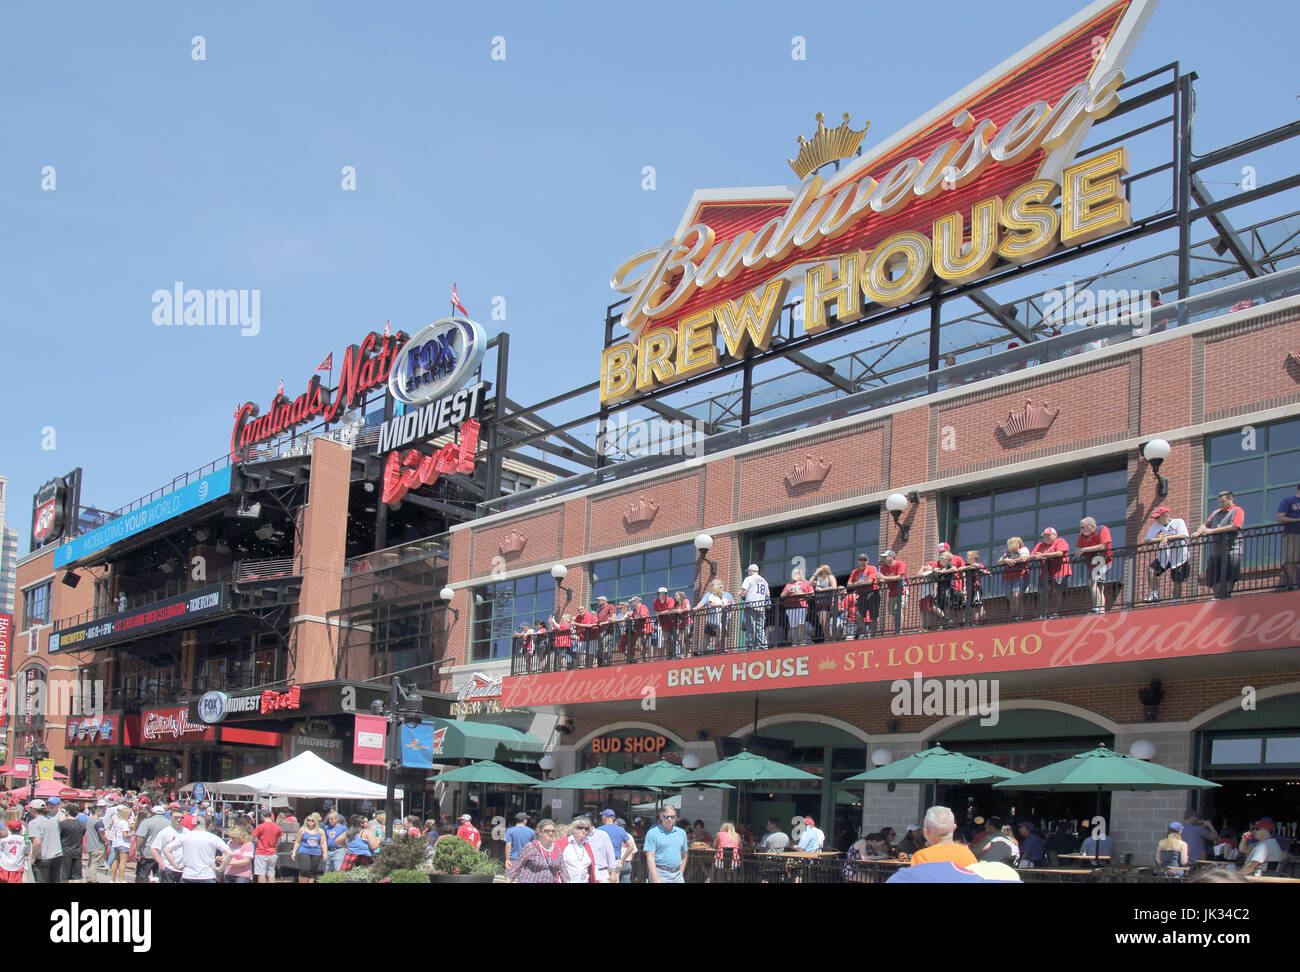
1260, 467
501, 609
641, 575
1026, 509
36, 604
1237, 751
836, 544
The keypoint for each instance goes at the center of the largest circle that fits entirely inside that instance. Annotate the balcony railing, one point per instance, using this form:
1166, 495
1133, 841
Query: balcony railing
120, 605
273, 568
432, 549
1202, 568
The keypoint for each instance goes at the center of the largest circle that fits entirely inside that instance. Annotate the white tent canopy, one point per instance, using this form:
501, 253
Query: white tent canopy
304, 776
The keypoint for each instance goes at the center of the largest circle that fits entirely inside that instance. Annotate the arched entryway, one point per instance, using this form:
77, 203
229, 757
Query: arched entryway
828, 748
1254, 755
1025, 737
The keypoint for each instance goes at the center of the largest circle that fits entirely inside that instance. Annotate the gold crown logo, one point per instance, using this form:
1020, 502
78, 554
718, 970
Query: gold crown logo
1032, 418
641, 512
513, 544
827, 664
828, 145
1293, 356
809, 471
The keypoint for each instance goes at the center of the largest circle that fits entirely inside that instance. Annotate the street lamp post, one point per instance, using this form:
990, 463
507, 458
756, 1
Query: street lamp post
403, 708
35, 753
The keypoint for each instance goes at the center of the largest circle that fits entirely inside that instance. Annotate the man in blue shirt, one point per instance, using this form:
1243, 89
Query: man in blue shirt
623, 844
518, 837
1033, 852
1288, 512
666, 849
334, 829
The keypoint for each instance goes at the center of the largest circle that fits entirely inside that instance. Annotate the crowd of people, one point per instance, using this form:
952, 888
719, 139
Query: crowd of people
189, 841
951, 589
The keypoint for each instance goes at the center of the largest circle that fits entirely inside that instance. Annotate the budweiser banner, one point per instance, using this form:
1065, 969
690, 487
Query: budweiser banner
1177, 631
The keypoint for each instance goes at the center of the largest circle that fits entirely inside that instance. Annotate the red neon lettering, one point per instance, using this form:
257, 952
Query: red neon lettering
414, 469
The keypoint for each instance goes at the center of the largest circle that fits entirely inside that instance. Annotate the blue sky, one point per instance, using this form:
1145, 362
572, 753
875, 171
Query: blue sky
518, 178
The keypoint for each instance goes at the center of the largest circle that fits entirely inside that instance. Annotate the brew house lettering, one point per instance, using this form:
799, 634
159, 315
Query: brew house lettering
365, 367
673, 337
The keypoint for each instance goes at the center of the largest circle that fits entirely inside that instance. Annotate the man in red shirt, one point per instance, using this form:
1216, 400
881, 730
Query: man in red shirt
864, 589
605, 628
893, 574
1054, 554
668, 622
584, 626
267, 835
467, 831
1094, 549
1223, 566
951, 595
640, 625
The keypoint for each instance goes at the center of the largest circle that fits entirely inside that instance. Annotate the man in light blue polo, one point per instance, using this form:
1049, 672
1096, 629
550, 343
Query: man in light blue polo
665, 849
518, 837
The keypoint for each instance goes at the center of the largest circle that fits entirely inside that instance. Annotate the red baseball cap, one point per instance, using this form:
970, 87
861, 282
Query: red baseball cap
943, 547
809, 821
1161, 511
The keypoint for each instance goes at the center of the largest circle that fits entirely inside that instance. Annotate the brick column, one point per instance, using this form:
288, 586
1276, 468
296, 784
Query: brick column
1138, 821
323, 548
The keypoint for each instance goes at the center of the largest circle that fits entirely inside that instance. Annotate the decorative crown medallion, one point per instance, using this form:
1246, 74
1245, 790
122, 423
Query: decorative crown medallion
1293, 357
828, 145
641, 512
513, 544
827, 664
1032, 418
809, 471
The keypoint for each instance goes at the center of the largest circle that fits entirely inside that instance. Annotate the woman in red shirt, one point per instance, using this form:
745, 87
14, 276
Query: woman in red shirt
795, 599
1015, 574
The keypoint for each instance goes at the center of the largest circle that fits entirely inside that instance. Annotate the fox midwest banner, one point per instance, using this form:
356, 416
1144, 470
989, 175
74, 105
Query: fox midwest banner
1176, 631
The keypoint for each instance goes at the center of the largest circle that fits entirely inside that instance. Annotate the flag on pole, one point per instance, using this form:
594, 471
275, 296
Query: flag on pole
280, 391
385, 333
455, 301
327, 364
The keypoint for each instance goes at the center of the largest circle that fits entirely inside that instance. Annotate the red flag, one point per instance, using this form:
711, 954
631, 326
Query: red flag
327, 364
455, 301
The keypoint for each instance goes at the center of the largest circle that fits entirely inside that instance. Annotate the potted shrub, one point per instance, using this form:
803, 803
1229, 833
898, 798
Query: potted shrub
402, 853
456, 861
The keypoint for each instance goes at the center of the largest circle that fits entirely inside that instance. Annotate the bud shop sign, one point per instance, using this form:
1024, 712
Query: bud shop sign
1176, 631
971, 185
611, 745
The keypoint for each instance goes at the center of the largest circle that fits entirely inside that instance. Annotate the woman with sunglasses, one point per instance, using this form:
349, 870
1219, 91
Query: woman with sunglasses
540, 862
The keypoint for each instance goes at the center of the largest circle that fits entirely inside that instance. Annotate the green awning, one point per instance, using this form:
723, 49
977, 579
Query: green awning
482, 740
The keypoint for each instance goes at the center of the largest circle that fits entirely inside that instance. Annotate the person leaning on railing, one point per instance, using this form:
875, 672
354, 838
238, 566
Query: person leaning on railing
864, 588
893, 574
757, 596
1054, 553
584, 626
605, 628
1015, 576
794, 598
686, 620
976, 572
1169, 536
1223, 566
1094, 549
668, 619
826, 589
1288, 512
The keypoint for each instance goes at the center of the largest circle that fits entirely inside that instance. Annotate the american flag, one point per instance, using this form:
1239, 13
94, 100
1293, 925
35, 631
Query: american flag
455, 301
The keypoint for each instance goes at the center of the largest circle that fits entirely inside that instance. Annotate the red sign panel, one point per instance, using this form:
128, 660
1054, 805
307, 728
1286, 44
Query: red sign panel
6, 638
172, 725
102, 732
368, 740
1178, 631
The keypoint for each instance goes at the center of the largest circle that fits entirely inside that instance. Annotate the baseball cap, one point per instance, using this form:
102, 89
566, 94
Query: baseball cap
1047, 530
465, 816
101, 802
1175, 825
37, 804
602, 598
753, 567
943, 547
607, 813
889, 553
54, 801
621, 822
173, 806
863, 557
14, 825
913, 827
1161, 511
810, 821
663, 590
636, 819
159, 809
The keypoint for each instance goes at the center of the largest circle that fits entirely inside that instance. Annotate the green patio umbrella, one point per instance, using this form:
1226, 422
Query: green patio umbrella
589, 779
1103, 769
937, 765
484, 771
750, 768
653, 777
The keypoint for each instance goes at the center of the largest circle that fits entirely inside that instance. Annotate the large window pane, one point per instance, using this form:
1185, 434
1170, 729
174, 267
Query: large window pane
1014, 499
838, 537
1284, 468
1059, 491
1014, 525
1064, 517
972, 506
837, 544
630, 565
1237, 476
1227, 447
1114, 481
868, 533
656, 560
1284, 435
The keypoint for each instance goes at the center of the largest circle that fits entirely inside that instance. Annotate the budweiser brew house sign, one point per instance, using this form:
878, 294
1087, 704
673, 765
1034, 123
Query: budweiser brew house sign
987, 178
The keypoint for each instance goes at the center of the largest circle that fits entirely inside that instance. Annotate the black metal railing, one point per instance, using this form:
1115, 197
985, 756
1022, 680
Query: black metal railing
125, 603
1249, 561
